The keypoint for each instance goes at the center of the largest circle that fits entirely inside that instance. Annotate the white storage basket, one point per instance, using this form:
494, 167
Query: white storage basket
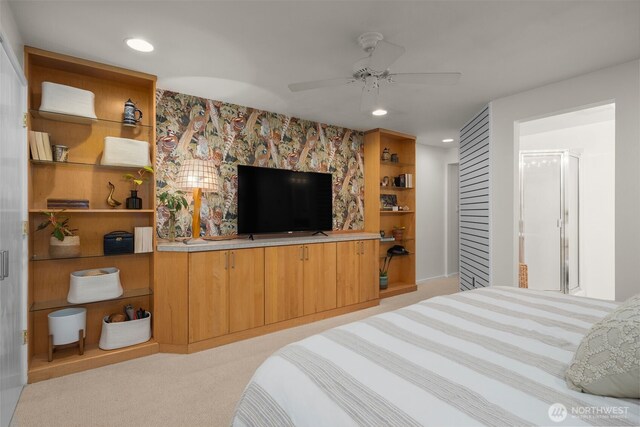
64, 325
61, 99
86, 287
125, 152
124, 334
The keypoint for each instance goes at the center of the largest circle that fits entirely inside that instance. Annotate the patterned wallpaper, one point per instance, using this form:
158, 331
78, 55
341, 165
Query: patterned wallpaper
230, 135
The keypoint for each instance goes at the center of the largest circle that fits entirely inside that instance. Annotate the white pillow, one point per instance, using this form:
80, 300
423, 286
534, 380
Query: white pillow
607, 361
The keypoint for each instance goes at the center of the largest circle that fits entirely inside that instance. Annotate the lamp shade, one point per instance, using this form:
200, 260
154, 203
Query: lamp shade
197, 173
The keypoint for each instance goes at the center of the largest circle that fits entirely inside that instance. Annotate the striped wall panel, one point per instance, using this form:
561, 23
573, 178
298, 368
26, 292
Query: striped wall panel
474, 202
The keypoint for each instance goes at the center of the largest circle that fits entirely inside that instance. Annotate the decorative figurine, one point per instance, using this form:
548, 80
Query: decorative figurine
110, 200
386, 155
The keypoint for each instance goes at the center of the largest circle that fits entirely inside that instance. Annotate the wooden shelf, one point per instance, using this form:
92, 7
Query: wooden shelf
128, 293
391, 188
397, 164
396, 212
94, 165
69, 118
397, 288
67, 361
85, 255
388, 242
119, 211
384, 255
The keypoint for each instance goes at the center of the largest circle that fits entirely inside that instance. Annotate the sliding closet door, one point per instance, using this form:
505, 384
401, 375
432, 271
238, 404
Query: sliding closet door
474, 202
12, 305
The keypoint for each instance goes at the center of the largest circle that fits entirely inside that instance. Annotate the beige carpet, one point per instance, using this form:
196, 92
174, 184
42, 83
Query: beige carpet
198, 389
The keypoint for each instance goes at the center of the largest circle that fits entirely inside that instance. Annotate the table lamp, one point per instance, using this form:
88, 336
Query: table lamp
197, 176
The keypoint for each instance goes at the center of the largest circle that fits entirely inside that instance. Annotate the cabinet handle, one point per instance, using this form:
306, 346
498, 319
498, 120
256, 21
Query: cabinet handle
301, 253
226, 260
306, 249
233, 260
5, 265
2, 265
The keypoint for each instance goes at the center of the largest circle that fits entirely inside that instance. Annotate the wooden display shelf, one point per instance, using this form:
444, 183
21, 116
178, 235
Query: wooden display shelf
85, 255
128, 293
67, 361
391, 188
396, 212
388, 242
397, 164
119, 211
69, 118
397, 288
94, 165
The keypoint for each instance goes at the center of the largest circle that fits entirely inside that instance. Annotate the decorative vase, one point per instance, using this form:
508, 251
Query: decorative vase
384, 282
386, 155
172, 226
398, 234
134, 202
67, 248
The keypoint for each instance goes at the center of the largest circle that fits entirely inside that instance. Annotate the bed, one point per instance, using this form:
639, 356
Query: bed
494, 356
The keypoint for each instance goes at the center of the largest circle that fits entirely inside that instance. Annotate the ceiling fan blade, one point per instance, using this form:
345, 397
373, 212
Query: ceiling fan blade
318, 84
370, 93
426, 78
384, 55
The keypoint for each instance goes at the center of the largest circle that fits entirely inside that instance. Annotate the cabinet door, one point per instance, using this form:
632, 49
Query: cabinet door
348, 273
246, 289
369, 279
319, 277
208, 295
283, 283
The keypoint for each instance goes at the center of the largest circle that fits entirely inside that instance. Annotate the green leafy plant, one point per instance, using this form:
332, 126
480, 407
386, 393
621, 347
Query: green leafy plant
140, 177
174, 201
59, 223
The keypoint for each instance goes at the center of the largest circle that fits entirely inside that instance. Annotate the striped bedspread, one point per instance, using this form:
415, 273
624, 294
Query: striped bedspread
494, 356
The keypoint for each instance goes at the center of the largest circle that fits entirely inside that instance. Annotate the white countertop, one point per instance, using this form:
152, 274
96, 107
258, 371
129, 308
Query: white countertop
260, 242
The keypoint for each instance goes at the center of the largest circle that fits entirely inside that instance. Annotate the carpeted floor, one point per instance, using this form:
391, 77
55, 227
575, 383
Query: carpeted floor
198, 389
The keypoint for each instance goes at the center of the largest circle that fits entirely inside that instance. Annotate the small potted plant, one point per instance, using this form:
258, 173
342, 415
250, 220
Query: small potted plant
63, 242
174, 202
384, 273
140, 177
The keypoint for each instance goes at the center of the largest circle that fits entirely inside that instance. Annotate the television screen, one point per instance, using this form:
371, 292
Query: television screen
277, 200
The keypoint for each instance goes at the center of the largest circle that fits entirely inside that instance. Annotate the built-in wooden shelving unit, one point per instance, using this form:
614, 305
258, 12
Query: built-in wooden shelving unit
82, 177
402, 271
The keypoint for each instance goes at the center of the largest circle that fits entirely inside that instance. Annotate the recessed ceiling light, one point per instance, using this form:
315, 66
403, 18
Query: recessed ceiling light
448, 140
379, 112
139, 45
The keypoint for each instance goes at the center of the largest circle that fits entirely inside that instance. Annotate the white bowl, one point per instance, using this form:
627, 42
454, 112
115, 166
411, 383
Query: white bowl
124, 334
64, 324
84, 286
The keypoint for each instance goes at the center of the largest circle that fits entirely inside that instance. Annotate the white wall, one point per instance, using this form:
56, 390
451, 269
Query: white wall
431, 170
9, 30
596, 143
619, 84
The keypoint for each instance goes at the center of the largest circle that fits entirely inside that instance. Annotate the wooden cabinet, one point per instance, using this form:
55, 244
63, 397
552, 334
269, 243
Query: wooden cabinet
226, 292
357, 272
284, 275
319, 277
299, 280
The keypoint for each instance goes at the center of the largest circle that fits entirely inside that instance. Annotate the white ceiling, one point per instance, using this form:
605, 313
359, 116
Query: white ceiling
247, 52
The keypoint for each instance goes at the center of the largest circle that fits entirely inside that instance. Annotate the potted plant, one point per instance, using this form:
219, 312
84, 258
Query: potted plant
140, 177
63, 242
384, 273
174, 202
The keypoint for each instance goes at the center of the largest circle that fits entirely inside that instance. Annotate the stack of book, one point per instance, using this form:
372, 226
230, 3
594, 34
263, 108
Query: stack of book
405, 180
67, 204
40, 146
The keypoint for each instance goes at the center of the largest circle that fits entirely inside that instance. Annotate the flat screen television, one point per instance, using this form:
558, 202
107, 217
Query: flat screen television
277, 201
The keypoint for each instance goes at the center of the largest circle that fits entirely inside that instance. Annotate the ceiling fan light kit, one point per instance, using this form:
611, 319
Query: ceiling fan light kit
372, 71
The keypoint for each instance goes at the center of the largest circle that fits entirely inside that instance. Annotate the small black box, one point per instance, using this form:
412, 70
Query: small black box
118, 242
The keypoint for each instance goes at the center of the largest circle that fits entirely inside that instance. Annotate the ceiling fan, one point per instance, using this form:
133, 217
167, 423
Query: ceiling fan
373, 71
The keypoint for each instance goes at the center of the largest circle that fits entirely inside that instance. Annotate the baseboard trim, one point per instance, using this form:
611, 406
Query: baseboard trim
423, 281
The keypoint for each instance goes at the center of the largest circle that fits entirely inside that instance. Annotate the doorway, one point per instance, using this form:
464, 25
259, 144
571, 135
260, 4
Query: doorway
566, 212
